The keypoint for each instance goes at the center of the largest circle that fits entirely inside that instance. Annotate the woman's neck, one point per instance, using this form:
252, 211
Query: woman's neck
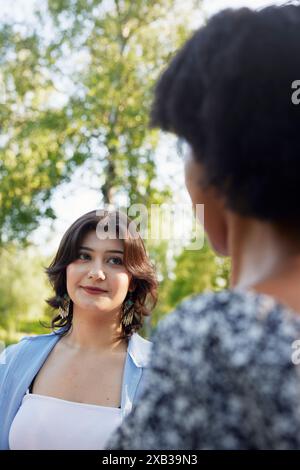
99, 336
264, 260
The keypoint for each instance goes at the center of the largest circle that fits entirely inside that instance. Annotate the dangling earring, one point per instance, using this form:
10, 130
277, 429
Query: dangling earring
128, 312
64, 310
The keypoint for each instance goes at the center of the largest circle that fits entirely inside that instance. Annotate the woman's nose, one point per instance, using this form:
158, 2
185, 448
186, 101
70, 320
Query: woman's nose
97, 274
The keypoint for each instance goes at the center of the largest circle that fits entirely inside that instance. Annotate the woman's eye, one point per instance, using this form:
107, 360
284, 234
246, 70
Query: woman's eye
83, 256
115, 260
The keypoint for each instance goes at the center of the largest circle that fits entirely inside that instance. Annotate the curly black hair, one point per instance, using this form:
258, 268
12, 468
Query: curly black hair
228, 93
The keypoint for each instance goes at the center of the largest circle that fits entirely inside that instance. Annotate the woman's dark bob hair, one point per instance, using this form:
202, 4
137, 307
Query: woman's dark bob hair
230, 92
136, 261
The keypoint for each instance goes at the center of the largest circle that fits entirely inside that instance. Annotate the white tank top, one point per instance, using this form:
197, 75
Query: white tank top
47, 423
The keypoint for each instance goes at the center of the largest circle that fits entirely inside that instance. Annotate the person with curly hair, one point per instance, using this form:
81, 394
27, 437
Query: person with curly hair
224, 367
71, 388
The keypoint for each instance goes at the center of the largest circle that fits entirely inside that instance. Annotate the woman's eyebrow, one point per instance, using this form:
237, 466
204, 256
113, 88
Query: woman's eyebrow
107, 251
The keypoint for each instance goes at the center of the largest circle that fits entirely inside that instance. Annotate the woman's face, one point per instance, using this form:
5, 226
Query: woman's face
99, 265
215, 223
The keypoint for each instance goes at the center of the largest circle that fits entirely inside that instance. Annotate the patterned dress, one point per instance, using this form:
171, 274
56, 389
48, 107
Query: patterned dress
223, 375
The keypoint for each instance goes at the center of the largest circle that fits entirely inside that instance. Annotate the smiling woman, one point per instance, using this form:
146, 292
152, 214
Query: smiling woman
117, 263
76, 385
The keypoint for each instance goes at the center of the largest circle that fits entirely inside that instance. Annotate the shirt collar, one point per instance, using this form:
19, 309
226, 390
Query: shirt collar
139, 350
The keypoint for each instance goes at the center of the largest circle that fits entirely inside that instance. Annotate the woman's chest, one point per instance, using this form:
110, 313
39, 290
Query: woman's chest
82, 378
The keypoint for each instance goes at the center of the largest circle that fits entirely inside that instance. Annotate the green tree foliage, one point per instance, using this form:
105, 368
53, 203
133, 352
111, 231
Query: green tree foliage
195, 272
23, 290
81, 94
33, 135
124, 46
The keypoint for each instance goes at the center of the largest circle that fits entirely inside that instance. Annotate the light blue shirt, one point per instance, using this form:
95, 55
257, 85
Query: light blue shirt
20, 363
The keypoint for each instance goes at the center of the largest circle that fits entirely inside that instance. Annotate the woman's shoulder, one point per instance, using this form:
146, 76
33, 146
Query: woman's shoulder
234, 322
236, 307
17, 349
35, 339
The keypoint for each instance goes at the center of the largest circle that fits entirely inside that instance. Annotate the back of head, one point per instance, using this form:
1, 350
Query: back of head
228, 92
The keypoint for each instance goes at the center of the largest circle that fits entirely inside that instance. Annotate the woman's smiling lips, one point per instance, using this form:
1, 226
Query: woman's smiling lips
93, 290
